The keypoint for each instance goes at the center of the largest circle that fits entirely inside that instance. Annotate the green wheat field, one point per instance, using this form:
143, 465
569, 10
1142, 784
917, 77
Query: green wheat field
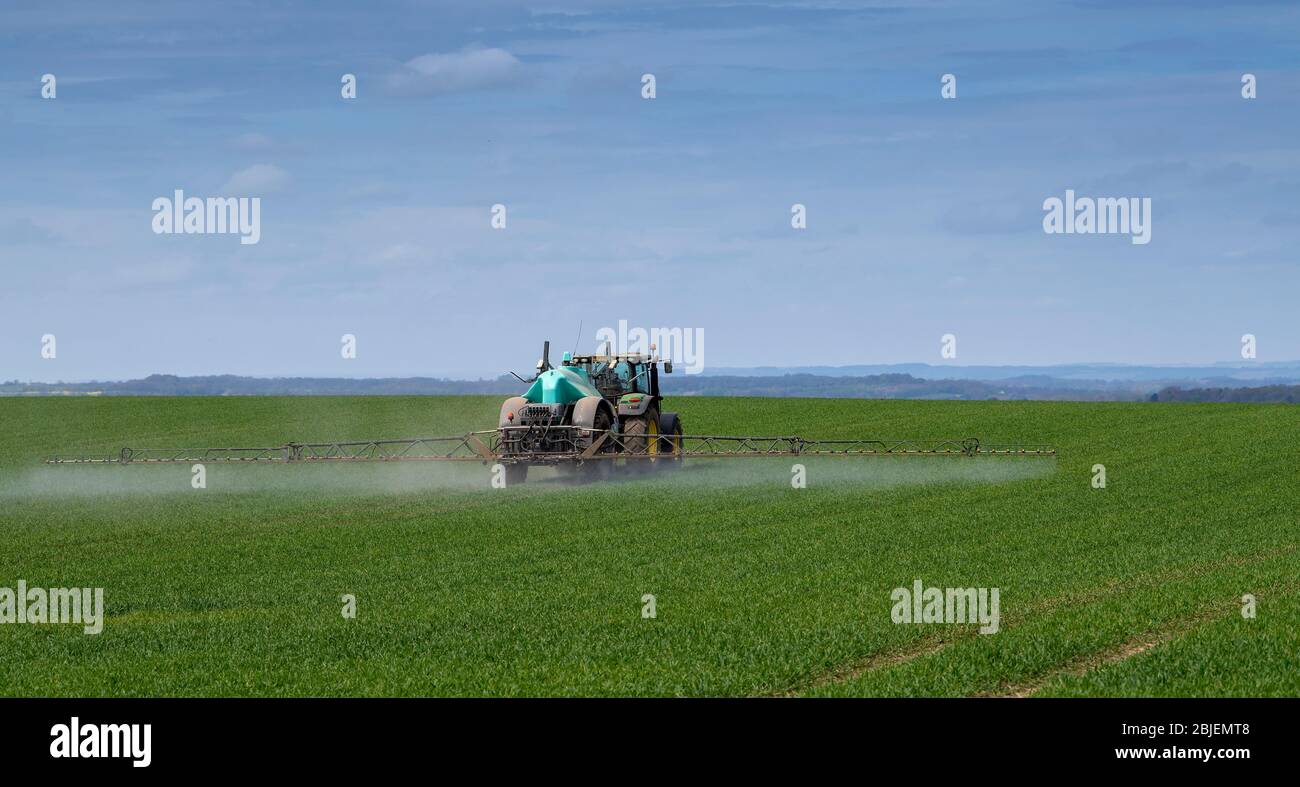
760, 589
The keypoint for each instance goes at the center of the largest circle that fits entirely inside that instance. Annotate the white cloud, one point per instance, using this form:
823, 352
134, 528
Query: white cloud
256, 180
468, 69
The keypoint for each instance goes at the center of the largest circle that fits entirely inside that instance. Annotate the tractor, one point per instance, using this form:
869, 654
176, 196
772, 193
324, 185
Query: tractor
589, 407
586, 417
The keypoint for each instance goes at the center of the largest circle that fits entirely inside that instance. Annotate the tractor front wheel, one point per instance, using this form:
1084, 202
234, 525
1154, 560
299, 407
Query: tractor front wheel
641, 435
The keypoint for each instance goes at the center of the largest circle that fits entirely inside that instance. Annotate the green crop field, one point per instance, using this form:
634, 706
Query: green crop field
760, 588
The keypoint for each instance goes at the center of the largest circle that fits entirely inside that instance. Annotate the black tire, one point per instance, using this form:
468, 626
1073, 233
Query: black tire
593, 469
590, 471
670, 444
598, 469
640, 434
516, 473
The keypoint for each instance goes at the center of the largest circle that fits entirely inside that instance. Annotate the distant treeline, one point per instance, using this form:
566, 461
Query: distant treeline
903, 386
1274, 394
874, 386
878, 386
234, 385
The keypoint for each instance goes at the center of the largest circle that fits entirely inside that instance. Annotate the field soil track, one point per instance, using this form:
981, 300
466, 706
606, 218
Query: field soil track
943, 636
761, 589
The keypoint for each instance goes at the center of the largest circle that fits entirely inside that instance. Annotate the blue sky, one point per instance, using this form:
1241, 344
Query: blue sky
924, 214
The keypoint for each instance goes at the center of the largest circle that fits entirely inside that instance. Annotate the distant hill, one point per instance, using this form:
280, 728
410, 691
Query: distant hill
234, 385
880, 386
901, 386
1222, 374
1280, 394
871, 386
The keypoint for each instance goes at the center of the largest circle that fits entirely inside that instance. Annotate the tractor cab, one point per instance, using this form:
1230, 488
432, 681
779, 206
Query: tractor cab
618, 375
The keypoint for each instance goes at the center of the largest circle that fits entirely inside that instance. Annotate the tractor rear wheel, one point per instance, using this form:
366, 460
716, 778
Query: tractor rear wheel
516, 473
593, 470
598, 469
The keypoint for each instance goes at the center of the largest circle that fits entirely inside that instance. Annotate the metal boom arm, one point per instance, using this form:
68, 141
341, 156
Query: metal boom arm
486, 446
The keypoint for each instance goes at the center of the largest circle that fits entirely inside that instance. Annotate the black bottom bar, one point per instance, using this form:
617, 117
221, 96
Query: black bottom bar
994, 736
